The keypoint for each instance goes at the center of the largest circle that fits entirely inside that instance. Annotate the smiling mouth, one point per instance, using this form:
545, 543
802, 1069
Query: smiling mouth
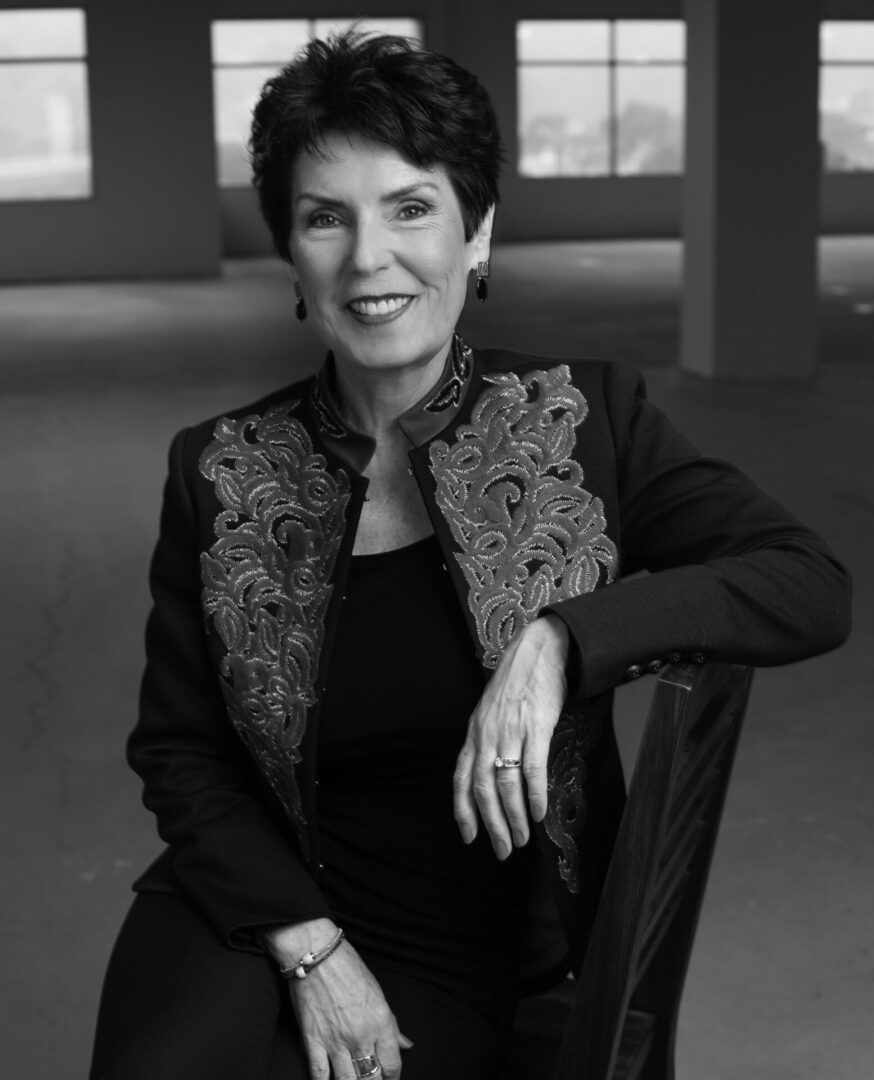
380, 307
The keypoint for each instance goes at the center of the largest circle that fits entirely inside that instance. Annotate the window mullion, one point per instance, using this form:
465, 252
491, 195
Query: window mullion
612, 99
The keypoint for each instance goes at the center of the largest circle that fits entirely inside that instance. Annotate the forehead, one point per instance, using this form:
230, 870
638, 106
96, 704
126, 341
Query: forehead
348, 164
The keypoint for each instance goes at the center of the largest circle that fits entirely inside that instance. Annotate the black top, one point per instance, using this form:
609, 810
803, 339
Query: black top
402, 684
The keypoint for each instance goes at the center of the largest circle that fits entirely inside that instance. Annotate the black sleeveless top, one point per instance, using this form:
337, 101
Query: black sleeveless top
402, 684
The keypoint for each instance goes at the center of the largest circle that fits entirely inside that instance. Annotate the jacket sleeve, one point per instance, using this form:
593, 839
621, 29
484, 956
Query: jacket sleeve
230, 855
729, 574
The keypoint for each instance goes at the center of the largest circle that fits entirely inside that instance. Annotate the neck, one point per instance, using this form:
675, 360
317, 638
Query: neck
373, 399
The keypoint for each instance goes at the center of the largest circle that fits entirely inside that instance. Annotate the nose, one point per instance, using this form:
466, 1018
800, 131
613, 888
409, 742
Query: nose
371, 246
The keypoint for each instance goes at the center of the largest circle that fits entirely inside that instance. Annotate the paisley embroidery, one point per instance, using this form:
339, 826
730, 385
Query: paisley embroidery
529, 533
574, 737
266, 582
326, 421
449, 393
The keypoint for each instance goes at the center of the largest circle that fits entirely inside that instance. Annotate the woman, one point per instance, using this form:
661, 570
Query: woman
387, 613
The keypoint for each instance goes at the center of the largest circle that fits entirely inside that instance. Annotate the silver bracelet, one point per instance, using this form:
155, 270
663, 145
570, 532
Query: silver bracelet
309, 960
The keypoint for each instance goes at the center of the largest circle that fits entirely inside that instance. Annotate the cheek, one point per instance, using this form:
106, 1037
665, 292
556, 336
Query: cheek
445, 264
317, 278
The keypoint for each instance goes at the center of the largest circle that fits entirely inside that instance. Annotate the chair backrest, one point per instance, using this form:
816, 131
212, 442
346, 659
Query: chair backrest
624, 1017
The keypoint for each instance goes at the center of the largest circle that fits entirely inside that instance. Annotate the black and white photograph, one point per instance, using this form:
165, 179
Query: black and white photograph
436, 507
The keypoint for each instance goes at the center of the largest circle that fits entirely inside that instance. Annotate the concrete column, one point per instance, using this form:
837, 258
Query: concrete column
751, 189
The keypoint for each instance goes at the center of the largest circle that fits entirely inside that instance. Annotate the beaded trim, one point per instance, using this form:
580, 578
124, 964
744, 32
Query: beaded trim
575, 736
326, 420
450, 391
267, 582
528, 533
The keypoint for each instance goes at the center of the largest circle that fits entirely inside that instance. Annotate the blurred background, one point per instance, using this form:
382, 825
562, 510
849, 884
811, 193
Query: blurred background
688, 186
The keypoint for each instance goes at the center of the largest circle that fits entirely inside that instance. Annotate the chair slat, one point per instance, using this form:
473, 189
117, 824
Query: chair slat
660, 927
622, 1022
637, 1037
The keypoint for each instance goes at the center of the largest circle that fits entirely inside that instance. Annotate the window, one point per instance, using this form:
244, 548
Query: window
600, 98
846, 95
245, 53
44, 131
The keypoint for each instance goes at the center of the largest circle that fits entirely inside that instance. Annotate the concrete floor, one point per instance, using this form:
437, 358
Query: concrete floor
96, 378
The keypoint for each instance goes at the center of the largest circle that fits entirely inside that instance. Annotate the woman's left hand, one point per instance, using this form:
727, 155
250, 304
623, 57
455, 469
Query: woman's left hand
515, 719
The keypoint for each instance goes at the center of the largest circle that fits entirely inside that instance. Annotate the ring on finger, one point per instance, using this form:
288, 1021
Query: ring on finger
508, 763
366, 1066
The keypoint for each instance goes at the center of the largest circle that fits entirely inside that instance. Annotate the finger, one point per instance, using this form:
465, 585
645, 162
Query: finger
341, 1063
403, 1041
317, 1056
485, 792
510, 790
389, 1055
464, 806
534, 767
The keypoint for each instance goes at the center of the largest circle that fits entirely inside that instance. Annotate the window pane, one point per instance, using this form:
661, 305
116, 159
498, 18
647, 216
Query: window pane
649, 120
258, 41
846, 102
653, 40
44, 138
847, 41
235, 91
562, 39
51, 32
409, 28
563, 125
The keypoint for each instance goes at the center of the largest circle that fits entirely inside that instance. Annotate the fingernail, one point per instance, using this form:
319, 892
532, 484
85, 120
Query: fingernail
519, 838
501, 849
466, 833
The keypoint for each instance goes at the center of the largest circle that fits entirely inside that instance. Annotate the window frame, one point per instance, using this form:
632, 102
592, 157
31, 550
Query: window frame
612, 64
855, 62
44, 60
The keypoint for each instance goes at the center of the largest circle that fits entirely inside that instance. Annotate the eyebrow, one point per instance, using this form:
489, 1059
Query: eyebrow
391, 196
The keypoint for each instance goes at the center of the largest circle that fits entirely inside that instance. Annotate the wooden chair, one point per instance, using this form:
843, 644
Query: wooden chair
618, 1020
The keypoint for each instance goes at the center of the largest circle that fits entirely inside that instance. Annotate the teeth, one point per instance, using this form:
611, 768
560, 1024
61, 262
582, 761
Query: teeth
379, 307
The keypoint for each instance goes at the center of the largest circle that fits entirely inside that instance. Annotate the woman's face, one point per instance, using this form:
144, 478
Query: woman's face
379, 252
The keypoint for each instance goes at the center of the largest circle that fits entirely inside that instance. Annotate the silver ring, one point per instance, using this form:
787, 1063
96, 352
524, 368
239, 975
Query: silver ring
507, 763
366, 1066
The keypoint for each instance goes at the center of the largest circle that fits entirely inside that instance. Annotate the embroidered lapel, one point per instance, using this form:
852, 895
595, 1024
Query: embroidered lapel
267, 582
527, 531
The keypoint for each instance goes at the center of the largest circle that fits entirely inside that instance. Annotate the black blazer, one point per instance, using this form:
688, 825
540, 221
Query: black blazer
551, 486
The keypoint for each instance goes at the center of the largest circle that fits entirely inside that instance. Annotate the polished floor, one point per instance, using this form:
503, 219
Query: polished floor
94, 380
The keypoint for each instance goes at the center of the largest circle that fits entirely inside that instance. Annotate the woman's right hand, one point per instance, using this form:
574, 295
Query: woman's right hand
340, 1008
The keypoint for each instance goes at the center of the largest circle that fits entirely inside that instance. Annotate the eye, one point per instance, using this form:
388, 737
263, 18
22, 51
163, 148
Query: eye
322, 219
412, 210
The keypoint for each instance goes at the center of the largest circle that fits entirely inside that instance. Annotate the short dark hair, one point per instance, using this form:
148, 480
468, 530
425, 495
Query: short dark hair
384, 88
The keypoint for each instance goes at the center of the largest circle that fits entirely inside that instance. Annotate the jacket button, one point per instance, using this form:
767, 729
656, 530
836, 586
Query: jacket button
698, 658
321, 866
633, 672
675, 658
655, 666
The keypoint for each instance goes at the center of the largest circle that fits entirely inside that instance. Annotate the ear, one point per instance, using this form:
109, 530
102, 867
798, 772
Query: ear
293, 277
481, 242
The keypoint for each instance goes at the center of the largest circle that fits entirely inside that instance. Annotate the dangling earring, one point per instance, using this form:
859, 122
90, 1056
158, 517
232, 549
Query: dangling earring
300, 308
482, 286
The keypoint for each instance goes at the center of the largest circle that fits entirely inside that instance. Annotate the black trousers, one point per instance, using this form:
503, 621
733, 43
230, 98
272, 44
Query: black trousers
177, 1004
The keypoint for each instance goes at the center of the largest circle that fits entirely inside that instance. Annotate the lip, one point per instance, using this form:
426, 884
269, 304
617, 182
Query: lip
384, 309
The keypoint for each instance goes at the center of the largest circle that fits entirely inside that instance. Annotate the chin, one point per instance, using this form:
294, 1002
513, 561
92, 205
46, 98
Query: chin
391, 352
